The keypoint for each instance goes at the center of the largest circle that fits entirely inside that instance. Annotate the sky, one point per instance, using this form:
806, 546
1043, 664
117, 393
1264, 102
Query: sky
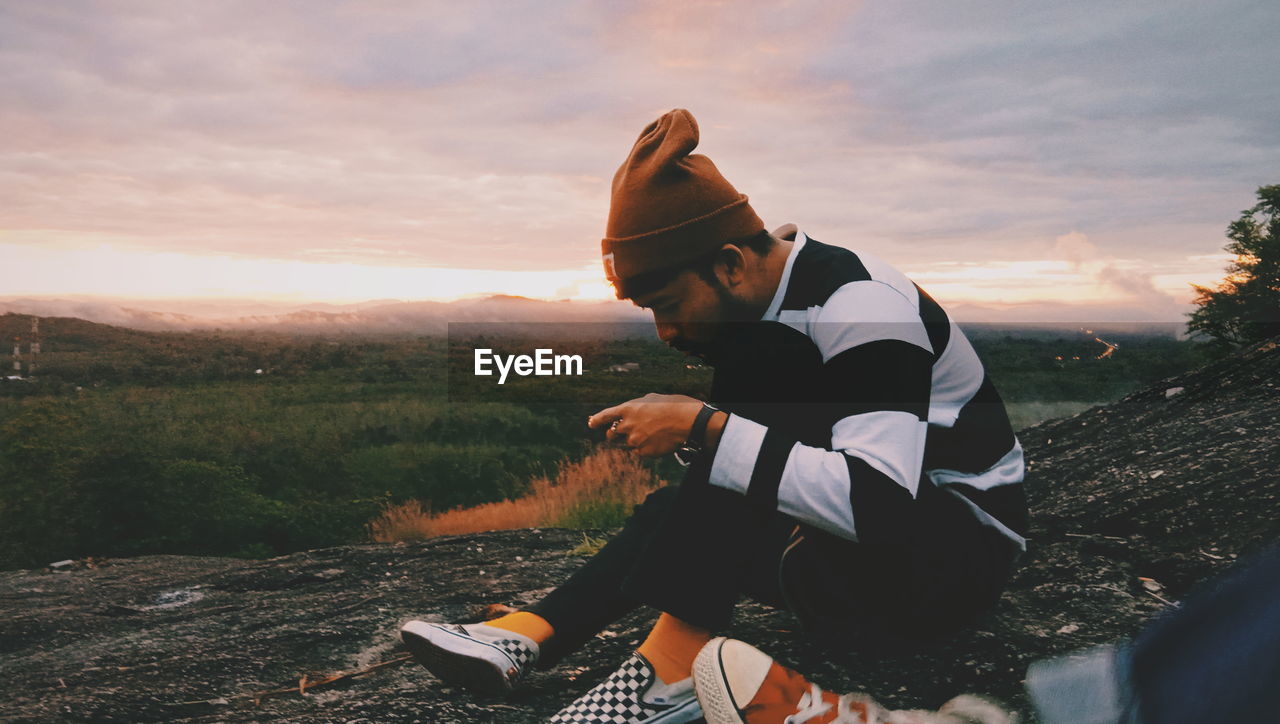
1030, 154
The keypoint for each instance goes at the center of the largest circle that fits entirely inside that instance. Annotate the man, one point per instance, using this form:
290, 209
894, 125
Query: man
858, 467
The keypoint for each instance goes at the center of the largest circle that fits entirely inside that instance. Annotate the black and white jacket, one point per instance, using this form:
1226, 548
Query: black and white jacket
875, 398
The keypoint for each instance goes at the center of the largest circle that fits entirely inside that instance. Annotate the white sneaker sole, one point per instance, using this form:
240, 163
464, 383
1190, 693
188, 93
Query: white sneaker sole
686, 713
711, 686
683, 714
456, 659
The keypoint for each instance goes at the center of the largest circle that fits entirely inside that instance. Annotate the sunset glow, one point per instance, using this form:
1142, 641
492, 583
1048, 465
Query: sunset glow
343, 153
109, 271
115, 272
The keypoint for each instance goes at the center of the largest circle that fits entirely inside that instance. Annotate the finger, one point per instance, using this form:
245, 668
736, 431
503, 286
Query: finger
616, 431
606, 416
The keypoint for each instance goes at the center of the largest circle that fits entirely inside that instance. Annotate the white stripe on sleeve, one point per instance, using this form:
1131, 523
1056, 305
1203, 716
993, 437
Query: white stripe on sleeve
1007, 470
891, 441
736, 453
815, 489
956, 378
866, 311
882, 271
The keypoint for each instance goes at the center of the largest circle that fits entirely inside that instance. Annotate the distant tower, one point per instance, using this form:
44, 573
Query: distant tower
35, 346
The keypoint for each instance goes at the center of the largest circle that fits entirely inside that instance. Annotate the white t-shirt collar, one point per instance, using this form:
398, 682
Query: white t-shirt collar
771, 313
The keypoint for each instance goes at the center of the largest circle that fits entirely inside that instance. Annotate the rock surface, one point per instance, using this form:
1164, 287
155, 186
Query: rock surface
1133, 504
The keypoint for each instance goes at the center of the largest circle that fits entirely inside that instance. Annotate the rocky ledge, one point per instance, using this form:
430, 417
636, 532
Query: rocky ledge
1134, 503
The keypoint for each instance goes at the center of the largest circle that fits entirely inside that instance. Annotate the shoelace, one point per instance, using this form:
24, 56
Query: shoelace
811, 705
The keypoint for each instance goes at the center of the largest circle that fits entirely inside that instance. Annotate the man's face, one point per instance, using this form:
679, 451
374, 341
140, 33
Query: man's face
692, 314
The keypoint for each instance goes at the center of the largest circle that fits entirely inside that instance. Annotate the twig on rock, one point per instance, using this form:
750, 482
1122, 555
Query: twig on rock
1219, 417
1096, 535
305, 683
359, 603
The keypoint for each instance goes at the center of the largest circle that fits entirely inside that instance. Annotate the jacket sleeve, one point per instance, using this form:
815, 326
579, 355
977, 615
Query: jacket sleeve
877, 370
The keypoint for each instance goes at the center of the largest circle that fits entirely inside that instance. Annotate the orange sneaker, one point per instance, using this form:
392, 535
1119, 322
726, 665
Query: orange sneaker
737, 683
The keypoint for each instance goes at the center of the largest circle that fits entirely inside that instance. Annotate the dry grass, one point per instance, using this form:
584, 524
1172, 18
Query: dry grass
594, 492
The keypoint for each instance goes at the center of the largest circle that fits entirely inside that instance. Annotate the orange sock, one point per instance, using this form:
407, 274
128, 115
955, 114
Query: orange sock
672, 646
525, 624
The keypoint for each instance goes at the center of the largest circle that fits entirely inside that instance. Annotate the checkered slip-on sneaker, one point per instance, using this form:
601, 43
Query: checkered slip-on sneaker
634, 695
480, 658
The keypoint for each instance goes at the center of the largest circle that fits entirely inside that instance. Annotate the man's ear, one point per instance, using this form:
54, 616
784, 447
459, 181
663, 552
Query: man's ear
730, 265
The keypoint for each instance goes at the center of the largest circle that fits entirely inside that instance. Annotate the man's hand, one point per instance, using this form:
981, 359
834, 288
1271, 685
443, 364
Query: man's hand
652, 425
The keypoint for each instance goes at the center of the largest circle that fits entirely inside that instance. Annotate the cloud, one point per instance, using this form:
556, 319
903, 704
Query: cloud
439, 136
1075, 248
1136, 285
483, 135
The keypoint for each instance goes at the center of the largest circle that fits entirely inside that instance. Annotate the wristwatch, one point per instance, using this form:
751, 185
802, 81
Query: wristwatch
688, 453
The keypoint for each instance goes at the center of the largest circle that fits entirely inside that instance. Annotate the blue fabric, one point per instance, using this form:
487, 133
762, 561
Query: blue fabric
1214, 658
1217, 656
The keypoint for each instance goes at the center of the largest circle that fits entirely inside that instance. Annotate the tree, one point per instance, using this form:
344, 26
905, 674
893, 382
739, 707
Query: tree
1245, 307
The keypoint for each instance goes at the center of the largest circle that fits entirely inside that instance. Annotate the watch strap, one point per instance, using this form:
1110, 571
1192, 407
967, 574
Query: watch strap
698, 433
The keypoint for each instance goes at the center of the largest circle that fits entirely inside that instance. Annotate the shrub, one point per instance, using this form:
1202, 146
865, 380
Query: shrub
594, 492
1245, 306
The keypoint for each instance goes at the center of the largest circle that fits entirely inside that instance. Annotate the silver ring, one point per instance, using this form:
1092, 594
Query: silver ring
614, 426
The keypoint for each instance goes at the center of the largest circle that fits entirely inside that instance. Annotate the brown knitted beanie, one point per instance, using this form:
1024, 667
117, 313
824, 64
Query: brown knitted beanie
670, 206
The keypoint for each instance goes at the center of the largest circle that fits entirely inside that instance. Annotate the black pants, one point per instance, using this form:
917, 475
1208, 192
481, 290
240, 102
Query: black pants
694, 550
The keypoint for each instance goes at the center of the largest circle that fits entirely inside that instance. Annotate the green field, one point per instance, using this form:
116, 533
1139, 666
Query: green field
131, 442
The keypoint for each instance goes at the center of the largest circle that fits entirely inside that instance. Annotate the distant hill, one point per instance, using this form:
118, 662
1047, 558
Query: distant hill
380, 317
426, 317
72, 334
80, 352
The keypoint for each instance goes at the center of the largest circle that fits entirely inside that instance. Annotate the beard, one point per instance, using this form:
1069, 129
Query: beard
724, 336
